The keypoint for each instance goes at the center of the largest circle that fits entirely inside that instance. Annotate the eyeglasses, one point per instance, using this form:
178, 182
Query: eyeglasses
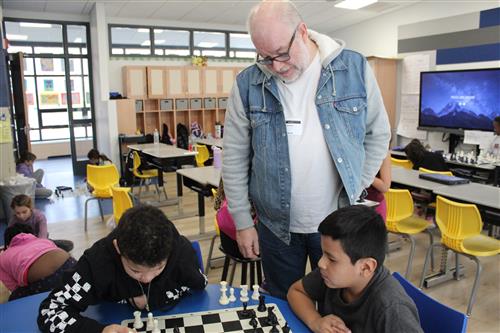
282, 57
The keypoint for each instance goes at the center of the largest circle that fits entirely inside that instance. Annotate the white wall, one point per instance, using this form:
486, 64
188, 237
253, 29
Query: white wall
379, 36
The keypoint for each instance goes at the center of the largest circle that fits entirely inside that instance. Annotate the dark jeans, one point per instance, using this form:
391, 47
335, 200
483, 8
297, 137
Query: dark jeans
284, 264
46, 284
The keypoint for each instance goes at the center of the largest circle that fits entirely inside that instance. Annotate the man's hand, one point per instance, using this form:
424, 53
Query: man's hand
139, 301
117, 329
248, 242
330, 324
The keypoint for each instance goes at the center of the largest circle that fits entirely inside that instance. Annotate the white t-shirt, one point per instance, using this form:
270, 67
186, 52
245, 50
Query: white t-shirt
495, 147
315, 180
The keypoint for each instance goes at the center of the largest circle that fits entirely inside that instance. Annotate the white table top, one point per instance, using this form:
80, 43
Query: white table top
203, 175
211, 142
162, 150
484, 195
409, 177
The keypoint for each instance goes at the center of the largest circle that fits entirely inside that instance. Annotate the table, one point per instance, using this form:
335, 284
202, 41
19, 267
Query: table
479, 194
410, 178
19, 316
211, 142
160, 155
201, 180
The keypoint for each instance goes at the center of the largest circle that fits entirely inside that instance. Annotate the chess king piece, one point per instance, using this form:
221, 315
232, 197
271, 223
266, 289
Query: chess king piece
137, 320
255, 294
150, 323
156, 329
223, 300
244, 293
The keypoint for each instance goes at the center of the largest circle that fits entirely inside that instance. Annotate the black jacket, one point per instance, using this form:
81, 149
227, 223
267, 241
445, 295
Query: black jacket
100, 276
432, 161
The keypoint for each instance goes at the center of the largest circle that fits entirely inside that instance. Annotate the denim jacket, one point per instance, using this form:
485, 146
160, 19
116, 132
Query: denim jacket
256, 160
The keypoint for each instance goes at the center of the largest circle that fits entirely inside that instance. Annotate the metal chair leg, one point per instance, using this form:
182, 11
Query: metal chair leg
259, 272
410, 257
431, 241
472, 298
140, 188
225, 269
100, 209
231, 276
426, 264
86, 211
210, 251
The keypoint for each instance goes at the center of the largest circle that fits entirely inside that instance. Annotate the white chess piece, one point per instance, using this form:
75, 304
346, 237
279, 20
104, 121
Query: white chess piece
156, 329
232, 298
138, 322
244, 293
223, 296
255, 294
150, 323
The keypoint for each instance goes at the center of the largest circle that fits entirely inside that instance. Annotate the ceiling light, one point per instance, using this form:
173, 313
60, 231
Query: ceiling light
354, 4
16, 37
77, 40
146, 43
207, 44
159, 41
35, 25
143, 30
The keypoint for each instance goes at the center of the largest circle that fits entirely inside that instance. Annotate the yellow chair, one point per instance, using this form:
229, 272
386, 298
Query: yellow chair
402, 163
101, 178
144, 175
121, 201
202, 156
460, 225
400, 220
446, 173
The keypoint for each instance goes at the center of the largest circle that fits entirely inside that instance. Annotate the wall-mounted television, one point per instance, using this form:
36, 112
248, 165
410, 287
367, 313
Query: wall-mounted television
453, 101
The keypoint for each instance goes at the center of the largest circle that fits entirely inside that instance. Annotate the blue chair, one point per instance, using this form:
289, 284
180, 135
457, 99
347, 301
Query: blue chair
197, 249
435, 317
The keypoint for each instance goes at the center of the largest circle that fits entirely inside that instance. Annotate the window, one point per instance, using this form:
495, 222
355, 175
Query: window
129, 41
241, 46
209, 44
171, 42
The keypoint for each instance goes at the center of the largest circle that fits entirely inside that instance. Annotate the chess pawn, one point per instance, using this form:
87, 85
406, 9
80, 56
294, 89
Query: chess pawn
255, 294
244, 293
138, 322
232, 298
150, 323
156, 328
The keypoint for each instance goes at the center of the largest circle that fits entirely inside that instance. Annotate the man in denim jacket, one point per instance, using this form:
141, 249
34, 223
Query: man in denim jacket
305, 132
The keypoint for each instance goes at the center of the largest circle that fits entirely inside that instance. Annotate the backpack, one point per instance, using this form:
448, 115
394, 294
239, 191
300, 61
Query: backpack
182, 136
165, 138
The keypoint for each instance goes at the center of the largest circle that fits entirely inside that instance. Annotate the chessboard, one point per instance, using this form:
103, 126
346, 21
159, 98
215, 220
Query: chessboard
234, 320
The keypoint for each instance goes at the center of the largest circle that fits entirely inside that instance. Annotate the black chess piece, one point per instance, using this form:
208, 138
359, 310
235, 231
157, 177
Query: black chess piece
274, 329
262, 303
176, 330
253, 322
245, 313
286, 328
271, 317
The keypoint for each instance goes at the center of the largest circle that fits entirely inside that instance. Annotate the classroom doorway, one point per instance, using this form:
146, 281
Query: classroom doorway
51, 79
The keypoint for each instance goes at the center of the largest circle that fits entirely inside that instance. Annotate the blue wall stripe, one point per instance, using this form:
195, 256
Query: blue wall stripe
478, 53
490, 17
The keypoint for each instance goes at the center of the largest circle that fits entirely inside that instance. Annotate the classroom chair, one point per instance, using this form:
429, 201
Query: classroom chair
121, 201
434, 317
446, 173
460, 225
208, 265
202, 156
143, 175
197, 249
101, 178
254, 264
400, 220
407, 164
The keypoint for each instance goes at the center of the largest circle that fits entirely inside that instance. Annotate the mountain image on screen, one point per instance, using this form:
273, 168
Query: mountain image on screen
460, 99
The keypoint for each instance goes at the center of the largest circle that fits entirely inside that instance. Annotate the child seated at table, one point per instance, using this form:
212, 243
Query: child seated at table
31, 265
25, 213
353, 289
144, 262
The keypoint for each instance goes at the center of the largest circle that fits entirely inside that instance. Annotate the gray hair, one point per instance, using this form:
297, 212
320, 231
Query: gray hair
287, 13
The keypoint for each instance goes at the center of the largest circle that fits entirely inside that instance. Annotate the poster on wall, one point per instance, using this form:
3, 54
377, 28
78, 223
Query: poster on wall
47, 98
47, 64
75, 98
48, 85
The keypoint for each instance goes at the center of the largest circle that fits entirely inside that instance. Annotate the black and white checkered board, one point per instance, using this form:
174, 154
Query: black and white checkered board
214, 321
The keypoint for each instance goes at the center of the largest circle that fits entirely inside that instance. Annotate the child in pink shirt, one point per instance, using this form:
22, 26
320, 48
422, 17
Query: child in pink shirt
31, 265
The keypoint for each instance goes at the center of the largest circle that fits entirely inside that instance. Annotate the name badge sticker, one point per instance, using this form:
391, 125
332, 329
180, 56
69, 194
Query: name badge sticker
293, 127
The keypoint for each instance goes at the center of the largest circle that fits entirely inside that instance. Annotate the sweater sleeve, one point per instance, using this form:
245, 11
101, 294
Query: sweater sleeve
41, 220
60, 311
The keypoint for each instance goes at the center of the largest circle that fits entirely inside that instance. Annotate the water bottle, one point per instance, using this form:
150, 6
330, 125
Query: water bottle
156, 137
217, 157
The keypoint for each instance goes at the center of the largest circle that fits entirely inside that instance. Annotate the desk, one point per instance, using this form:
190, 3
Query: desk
479, 194
201, 180
410, 178
19, 316
160, 155
211, 142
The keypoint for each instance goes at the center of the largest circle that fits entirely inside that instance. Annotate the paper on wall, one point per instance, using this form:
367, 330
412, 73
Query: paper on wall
412, 66
483, 139
408, 118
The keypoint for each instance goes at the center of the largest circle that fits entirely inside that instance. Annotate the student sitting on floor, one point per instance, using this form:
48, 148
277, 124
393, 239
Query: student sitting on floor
144, 262
31, 265
24, 166
353, 289
25, 213
96, 158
